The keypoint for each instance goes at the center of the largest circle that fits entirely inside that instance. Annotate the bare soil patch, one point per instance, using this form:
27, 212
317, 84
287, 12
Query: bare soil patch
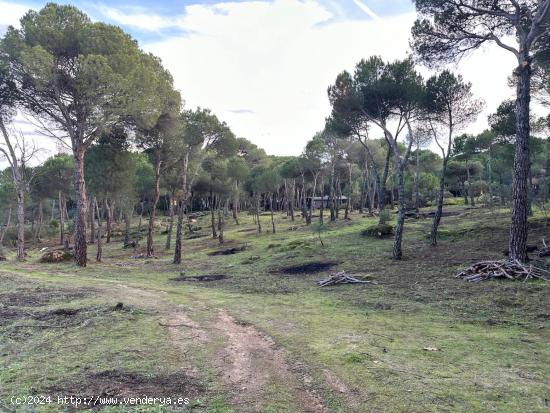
228, 251
121, 384
308, 268
201, 278
40, 296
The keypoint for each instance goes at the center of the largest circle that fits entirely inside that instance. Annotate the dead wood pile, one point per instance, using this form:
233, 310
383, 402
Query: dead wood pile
342, 278
513, 270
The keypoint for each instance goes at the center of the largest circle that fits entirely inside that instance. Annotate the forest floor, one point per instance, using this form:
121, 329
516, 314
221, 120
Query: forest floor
258, 335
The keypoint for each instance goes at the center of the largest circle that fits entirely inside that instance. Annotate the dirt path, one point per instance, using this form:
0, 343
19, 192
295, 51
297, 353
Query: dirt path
249, 365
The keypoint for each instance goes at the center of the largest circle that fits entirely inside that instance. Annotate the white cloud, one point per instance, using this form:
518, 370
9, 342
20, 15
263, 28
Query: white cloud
277, 60
264, 67
10, 15
140, 19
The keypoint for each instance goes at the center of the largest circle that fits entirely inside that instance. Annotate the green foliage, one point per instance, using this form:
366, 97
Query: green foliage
378, 231
111, 170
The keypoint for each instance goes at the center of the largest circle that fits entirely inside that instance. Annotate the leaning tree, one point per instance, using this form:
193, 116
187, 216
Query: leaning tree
390, 97
447, 29
79, 79
450, 107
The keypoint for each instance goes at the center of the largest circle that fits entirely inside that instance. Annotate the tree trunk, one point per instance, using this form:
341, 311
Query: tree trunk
61, 219
20, 224
80, 245
440, 199
91, 214
271, 209
292, 199
518, 229
236, 204
221, 223
331, 194
383, 181
170, 223
212, 216
350, 190
417, 179
152, 216
179, 232
181, 210
398, 239
322, 196
258, 214
99, 234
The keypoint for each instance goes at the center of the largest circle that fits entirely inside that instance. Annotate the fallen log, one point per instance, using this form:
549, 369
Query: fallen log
512, 270
342, 278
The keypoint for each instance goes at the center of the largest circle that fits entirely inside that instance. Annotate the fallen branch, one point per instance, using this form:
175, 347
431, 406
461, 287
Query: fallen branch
342, 278
512, 270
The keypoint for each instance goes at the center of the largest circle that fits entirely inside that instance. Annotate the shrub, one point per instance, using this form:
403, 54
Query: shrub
56, 256
384, 216
378, 230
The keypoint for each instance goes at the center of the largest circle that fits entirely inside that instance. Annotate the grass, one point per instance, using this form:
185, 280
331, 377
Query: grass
493, 337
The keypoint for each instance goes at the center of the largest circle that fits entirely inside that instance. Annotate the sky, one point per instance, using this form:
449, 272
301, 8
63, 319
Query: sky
264, 66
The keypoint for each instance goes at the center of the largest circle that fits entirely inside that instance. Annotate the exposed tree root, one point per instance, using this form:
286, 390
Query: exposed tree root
513, 270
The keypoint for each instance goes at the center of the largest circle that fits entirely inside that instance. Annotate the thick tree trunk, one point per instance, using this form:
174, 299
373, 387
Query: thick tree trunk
153, 215
518, 229
20, 224
80, 244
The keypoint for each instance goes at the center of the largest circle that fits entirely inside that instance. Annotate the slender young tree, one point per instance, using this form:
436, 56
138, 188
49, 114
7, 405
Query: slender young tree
200, 131
450, 107
15, 149
447, 29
